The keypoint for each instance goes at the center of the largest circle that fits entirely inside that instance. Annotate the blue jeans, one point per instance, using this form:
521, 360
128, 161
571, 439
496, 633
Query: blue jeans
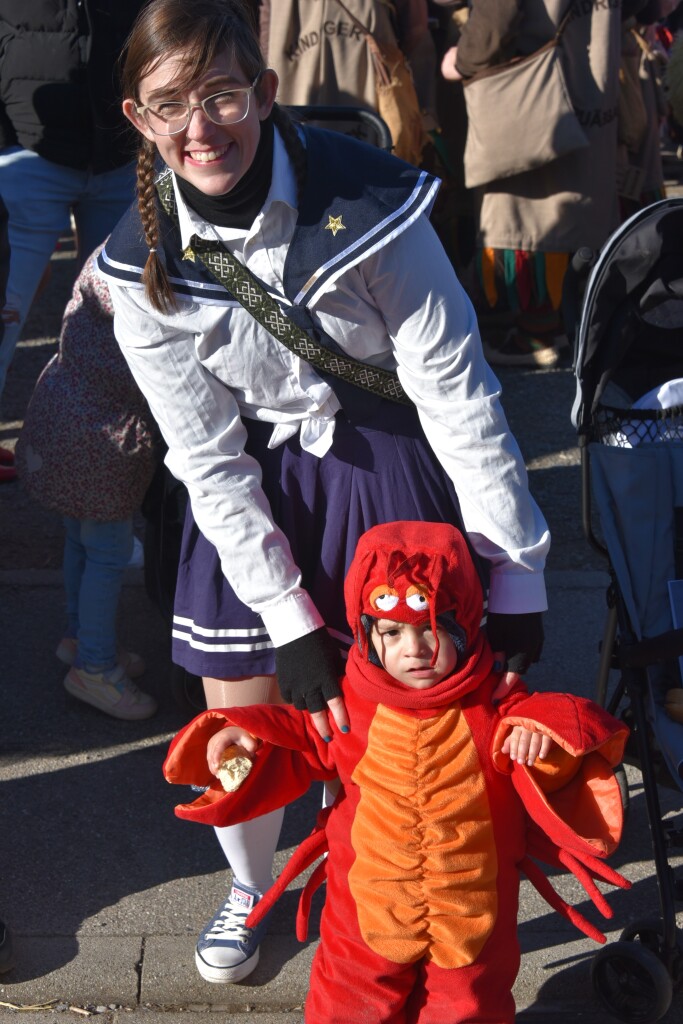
40, 197
95, 558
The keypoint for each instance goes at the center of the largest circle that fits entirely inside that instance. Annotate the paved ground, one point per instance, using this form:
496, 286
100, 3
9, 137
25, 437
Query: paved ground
105, 890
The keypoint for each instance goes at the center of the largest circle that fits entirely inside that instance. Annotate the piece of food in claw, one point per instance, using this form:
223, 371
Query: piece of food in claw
233, 769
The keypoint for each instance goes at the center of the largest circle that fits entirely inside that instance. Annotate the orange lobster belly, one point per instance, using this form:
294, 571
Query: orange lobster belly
424, 875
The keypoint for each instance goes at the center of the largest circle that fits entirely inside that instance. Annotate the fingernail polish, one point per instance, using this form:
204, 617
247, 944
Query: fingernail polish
498, 666
328, 739
345, 728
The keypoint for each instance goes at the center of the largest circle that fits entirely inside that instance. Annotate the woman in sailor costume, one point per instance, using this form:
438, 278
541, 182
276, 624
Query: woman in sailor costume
286, 465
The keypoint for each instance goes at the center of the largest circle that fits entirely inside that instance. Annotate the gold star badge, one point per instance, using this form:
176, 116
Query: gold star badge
334, 225
188, 254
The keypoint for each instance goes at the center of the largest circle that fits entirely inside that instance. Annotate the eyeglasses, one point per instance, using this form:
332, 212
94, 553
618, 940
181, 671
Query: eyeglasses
171, 116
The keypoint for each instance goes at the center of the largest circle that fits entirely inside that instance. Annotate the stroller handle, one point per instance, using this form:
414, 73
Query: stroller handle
573, 288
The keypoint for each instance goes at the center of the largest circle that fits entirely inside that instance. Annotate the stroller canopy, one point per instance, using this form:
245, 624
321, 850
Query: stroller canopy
629, 332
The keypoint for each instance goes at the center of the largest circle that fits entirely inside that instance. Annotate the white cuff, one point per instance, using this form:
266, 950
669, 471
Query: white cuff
291, 618
515, 593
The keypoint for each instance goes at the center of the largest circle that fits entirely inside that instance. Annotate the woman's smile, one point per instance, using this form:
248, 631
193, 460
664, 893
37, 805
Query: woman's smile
207, 156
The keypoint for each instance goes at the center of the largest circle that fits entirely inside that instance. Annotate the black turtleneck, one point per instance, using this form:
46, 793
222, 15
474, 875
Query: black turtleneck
238, 207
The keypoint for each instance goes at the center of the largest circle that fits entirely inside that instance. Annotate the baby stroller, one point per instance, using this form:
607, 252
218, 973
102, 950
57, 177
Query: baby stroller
628, 414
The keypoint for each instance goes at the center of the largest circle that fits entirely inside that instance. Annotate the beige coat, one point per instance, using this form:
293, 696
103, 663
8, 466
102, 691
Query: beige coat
320, 55
572, 201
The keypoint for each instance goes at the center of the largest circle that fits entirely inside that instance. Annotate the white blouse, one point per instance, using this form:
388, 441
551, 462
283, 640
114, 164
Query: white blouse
209, 363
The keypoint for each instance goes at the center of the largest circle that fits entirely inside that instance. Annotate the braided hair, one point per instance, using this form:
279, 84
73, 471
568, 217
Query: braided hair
199, 30
154, 277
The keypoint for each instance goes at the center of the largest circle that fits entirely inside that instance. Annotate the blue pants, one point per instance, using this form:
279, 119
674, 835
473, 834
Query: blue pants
95, 557
40, 197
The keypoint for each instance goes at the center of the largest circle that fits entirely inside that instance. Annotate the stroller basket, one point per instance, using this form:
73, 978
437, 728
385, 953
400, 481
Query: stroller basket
628, 428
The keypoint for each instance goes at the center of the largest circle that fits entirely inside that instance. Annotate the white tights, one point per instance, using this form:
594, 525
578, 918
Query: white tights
250, 846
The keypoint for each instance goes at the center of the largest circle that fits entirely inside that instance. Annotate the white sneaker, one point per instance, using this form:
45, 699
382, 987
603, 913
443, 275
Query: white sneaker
112, 692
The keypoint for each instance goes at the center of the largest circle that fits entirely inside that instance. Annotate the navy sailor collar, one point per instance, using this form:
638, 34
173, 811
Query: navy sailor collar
362, 199
357, 198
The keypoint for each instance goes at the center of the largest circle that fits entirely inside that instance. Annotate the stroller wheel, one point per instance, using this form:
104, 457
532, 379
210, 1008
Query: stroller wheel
187, 691
647, 931
632, 982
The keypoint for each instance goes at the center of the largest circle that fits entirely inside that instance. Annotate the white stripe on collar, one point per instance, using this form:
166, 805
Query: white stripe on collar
420, 201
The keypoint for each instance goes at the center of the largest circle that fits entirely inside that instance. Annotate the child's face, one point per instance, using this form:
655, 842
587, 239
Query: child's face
406, 652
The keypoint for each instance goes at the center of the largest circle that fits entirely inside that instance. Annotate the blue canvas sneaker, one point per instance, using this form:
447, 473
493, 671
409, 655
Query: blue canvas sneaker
227, 950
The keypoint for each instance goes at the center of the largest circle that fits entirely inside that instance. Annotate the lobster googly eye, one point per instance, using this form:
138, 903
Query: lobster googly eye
417, 599
383, 599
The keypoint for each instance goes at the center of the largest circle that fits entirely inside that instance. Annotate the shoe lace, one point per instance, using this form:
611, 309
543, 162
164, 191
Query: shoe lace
230, 922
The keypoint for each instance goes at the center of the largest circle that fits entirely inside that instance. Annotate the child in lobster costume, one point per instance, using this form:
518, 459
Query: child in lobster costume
446, 795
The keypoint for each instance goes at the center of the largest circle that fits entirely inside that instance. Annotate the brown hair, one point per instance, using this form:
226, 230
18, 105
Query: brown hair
200, 30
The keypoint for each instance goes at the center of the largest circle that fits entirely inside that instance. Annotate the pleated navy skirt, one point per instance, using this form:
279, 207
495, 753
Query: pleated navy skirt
375, 472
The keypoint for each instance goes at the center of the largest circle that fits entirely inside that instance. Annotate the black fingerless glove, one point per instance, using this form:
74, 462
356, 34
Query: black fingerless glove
519, 636
308, 670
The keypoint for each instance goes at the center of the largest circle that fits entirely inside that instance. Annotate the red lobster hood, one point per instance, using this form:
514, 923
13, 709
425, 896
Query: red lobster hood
412, 572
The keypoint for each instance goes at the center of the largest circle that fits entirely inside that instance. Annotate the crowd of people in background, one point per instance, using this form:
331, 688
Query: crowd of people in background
68, 140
